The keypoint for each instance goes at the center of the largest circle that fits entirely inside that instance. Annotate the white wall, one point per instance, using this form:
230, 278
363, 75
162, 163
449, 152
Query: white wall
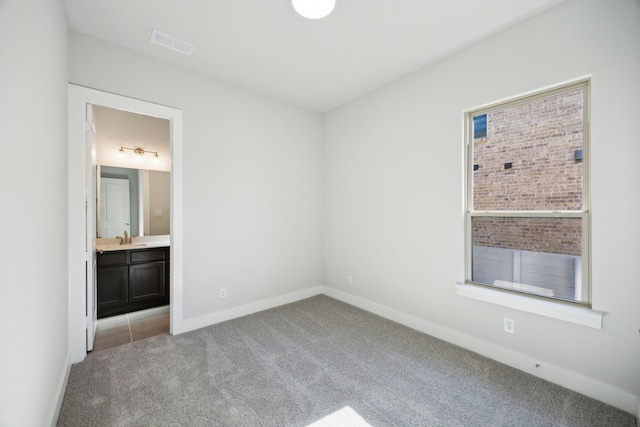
33, 245
393, 203
252, 178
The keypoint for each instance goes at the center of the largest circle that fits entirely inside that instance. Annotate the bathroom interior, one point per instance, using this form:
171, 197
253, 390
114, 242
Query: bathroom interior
133, 211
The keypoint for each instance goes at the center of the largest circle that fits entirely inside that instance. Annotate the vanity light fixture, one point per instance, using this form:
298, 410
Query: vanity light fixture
139, 152
313, 9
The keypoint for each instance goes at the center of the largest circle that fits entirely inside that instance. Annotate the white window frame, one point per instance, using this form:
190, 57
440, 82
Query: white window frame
473, 289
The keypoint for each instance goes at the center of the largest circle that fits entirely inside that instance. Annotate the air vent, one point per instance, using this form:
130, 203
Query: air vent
171, 42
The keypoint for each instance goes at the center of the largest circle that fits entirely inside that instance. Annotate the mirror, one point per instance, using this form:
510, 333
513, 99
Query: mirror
147, 202
133, 191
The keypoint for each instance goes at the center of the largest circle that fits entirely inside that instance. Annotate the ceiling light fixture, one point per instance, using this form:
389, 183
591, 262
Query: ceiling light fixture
313, 9
139, 152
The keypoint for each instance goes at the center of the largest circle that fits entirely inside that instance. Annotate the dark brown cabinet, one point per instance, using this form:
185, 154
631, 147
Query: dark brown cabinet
132, 280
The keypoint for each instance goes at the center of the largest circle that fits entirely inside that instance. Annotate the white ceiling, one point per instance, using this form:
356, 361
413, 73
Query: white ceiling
265, 46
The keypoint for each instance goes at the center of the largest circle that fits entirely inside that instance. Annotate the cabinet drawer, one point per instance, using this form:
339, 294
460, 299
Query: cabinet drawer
112, 258
147, 255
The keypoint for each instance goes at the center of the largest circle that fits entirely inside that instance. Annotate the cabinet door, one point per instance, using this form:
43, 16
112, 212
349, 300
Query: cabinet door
146, 281
112, 286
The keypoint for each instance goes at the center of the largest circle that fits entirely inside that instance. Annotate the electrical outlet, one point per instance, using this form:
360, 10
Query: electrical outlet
509, 325
223, 293
349, 280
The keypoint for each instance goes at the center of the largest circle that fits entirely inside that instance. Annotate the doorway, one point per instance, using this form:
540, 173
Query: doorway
81, 249
133, 174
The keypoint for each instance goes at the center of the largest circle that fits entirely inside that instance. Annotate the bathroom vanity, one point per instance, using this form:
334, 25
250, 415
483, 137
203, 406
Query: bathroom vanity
131, 278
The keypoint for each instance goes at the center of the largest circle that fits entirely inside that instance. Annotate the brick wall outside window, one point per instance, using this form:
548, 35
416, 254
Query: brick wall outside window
548, 235
539, 139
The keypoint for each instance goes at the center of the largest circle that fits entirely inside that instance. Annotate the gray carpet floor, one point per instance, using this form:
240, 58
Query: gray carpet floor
297, 364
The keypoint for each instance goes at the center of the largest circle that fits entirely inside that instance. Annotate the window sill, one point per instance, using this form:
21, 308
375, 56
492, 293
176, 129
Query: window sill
556, 310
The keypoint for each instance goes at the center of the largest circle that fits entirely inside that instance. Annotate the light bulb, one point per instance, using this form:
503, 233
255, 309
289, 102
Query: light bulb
121, 153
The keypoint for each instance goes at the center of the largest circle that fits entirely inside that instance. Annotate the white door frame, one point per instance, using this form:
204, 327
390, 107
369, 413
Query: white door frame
79, 97
91, 267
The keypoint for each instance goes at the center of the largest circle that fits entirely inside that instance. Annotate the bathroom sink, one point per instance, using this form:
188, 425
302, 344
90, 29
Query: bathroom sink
119, 247
112, 244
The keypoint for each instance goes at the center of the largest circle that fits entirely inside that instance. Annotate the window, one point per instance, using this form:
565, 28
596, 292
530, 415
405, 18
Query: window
527, 215
480, 126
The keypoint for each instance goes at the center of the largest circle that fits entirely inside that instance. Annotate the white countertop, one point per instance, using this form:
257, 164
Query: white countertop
113, 244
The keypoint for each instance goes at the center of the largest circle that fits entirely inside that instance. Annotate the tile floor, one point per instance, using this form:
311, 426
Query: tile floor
126, 328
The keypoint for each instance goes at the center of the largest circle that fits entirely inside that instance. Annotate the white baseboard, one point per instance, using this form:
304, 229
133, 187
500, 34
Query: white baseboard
246, 309
591, 387
64, 378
